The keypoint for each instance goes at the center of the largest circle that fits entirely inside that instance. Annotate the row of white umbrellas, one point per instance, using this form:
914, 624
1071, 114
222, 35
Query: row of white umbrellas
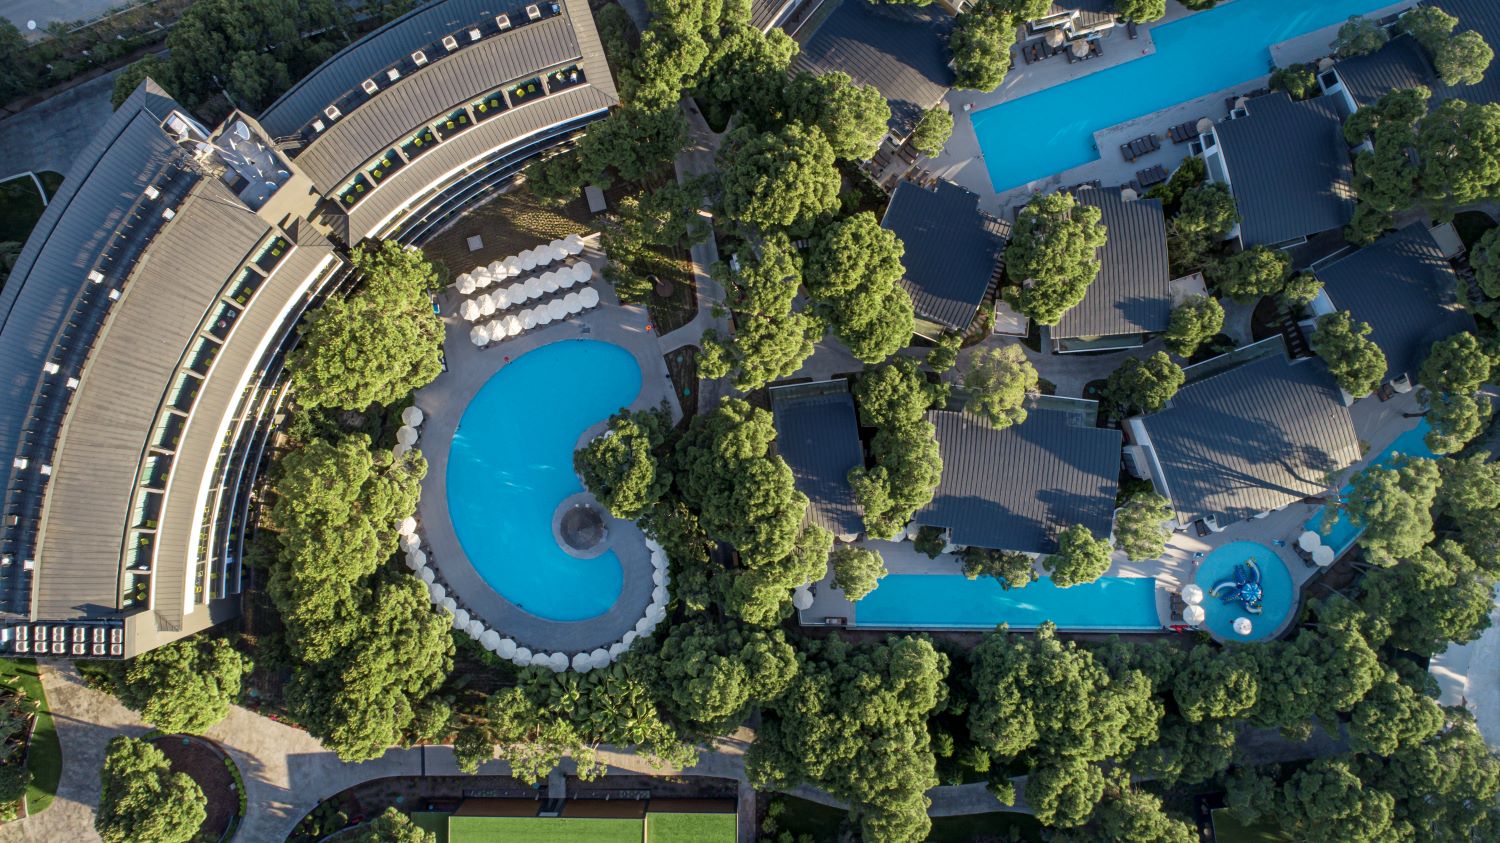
528, 260
553, 311
1192, 595
407, 434
507, 648
487, 304
1312, 542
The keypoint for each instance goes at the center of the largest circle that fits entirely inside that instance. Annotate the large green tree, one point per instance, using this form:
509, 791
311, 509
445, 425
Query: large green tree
185, 686
1144, 385
1399, 710
857, 570
1205, 216
622, 466
852, 271
1429, 600
745, 72
392, 826
853, 117
1445, 788
379, 343
1356, 362
1255, 272
1141, 11
1136, 816
997, 384
781, 179
932, 132
1053, 255
981, 42
894, 399
1394, 507
1359, 36
1459, 147
142, 799
1141, 525
712, 672
1193, 323
1010, 569
1080, 557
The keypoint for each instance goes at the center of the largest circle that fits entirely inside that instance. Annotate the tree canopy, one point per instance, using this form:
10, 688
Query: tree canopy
980, 44
185, 686
852, 271
1080, 557
1053, 255
932, 132
1010, 569
379, 343
1145, 385
1356, 362
392, 826
1459, 147
1255, 272
622, 466
712, 672
857, 570
771, 340
853, 117
142, 799
1205, 216
1359, 36
1193, 323
780, 179
894, 399
997, 384
1141, 525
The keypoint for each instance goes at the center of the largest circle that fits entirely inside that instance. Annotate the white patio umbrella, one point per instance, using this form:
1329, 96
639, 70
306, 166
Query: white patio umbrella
618, 649
599, 656
1194, 615
511, 265
659, 594
436, 592
460, 619
659, 561
558, 662
512, 325
574, 244
426, 574
581, 663
558, 246
583, 271
449, 604
498, 269
407, 526
557, 310
590, 297
398, 450
413, 416
526, 260
489, 639
629, 638
517, 293
802, 599
1192, 594
1242, 626
573, 302
528, 319
1322, 556
659, 576
548, 280
534, 288
1309, 540
656, 614
556, 250
406, 435
541, 315
522, 656
410, 541
501, 298
642, 627
416, 558
475, 628
469, 310
482, 279
411, 563
464, 284
479, 335
506, 648
486, 305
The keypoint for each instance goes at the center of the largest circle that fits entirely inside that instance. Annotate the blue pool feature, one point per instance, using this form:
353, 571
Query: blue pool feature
1343, 532
512, 465
1277, 595
950, 601
1053, 130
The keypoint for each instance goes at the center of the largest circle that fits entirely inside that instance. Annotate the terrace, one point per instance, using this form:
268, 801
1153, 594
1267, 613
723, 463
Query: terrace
455, 122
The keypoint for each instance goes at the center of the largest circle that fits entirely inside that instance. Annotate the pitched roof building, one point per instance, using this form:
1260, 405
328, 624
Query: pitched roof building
1288, 167
951, 251
1130, 297
1015, 489
1483, 17
1250, 438
817, 434
1407, 292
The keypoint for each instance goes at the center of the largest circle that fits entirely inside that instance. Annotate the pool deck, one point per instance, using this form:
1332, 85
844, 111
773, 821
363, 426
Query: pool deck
444, 400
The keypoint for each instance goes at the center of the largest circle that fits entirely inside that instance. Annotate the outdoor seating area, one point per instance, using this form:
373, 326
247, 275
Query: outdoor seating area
504, 302
1141, 146
1056, 42
1186, 132
1151, 176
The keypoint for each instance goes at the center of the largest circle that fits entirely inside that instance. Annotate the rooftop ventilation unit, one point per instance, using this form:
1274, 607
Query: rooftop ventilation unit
114, 295
370, 86
46, 470
419, 58
450, 43
152, 192
72, 383
21, 463
533, 12
51, 368
502, 21
393, 74
168, 214
474, 34
96, 276
319, 125
332, 112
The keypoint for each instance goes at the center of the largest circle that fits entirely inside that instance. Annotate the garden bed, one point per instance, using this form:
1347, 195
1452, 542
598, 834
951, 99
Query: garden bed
43, 752
205, 765
682, 367
675, 269
508, 224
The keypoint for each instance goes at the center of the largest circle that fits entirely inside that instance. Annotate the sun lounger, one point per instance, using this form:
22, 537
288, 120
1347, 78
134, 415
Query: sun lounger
1184, 132
1132, 30
1152, 175
1095, 50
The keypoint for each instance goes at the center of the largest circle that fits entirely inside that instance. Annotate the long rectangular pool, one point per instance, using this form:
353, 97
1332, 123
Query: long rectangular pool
938, 601
1053, 130
1412, 443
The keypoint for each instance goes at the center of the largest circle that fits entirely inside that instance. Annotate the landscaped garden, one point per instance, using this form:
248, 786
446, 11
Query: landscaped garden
30, 755
215, 774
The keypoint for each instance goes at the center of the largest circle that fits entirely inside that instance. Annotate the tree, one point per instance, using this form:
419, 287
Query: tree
1136, 816
1255, 272
1301, 289
185, 686
1394, 506
379, 343
932, 132
1469, 501
1189, 174
1430, 26
1426, 602
853, 117
1080, 558
127, 80
781, 179
622, 466
1325, 802
1445, 787
1359, 36
1063, 793
1456, 364
1463, 59
1010, 569
895, 399
1356, 362
1298, 80
1206, 215
712, 672
771, 340
1395, 713
980, 45
852, 271
1141, 525
998, 383
1193, 323
857, 570
1214, 685
1053, 255
635, 144
745, 72
1456, 420
19, 75
1141, 11
944, 354
1459, 147
395, 827
1144, 385
142, 799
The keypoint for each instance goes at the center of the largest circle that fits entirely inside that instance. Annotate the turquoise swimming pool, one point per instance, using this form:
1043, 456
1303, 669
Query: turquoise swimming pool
955, 602
1277, 598
512, 464
1053, 130
1343, 532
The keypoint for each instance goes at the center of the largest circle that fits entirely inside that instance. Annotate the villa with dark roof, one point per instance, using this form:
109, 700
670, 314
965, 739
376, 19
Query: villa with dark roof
951, 251
1406, 290
1403, 63
1130, 299
1288, 166
817, 433
1016, 488
1250, 433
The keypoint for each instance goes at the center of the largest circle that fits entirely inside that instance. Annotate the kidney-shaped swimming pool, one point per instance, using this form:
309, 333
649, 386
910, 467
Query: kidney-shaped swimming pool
511, 465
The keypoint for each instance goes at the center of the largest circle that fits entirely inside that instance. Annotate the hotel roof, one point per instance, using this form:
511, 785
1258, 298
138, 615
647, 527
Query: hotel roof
950, 250
818, 436
1130, 296
1482, 16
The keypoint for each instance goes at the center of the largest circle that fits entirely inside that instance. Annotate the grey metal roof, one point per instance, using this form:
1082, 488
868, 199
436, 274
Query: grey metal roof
1289, 168
950, 252
514, 127
765, 14
1482, 16
1017, 488
423, 95
1090, 12
1253, 438
1130, 296
1402, 63
818, 436
1407, 292
131, 367
899, 48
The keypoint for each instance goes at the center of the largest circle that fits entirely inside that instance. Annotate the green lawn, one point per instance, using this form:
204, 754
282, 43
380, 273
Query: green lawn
1230, 830
542, 830
21, 205
434, 822
690, 828
45, 755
